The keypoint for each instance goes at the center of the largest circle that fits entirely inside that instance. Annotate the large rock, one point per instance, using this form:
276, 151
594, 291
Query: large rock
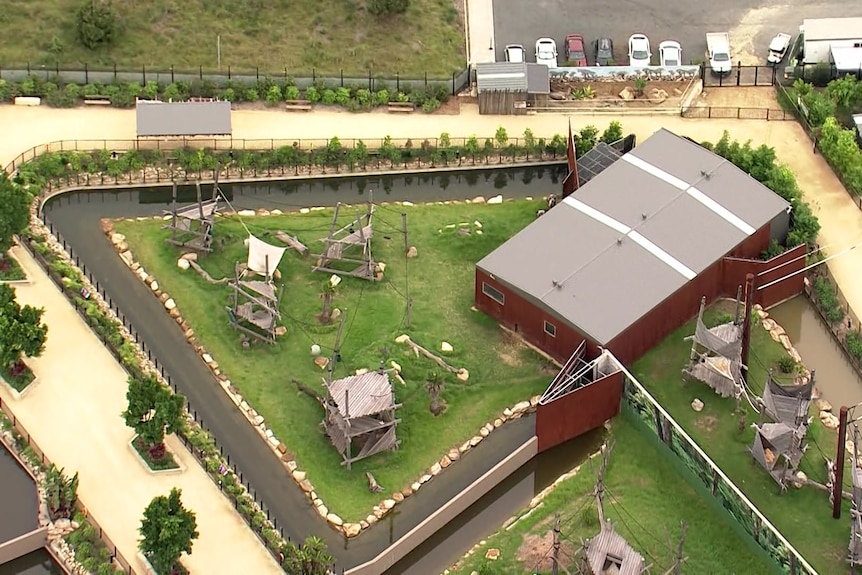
412, 252
170, 304
823, 405
352, 529
498, 199
446, 347
657, 96
435, 469
627, 94
521, 407
334, 519
117, 239
828, 420
697, 405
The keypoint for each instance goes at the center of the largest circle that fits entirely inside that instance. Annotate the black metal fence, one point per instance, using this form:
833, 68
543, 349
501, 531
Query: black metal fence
198, 454
737, 113
740, 75
86, 74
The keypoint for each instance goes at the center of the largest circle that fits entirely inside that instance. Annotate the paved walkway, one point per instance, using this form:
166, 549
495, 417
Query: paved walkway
480, 31
73, 412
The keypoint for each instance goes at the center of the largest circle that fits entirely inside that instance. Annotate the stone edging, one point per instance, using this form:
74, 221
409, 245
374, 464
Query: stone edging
58, 529
828, 419
257, 421
180, 468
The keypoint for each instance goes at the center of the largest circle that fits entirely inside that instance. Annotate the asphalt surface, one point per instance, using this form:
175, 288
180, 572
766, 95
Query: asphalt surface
751, 24
77, 216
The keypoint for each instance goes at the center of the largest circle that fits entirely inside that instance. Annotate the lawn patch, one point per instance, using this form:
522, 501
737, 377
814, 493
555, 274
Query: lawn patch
440, 282
281, 39
803, 516
11, 270
645, 498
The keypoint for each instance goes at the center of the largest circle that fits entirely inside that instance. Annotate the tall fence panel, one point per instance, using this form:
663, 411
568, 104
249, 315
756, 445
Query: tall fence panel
639, 405
737, 113
740, 75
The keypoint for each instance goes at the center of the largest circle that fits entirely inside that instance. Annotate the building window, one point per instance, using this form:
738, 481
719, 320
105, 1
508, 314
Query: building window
493, 293
550, 329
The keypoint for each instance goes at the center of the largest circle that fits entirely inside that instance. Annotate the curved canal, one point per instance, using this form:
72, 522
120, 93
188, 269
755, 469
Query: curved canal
76, 217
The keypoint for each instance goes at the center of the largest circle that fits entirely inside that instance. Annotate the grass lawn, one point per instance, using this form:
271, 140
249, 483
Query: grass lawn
10, 270
18, 379
441, 282
645, 498
165, 463
803, 516
300, 35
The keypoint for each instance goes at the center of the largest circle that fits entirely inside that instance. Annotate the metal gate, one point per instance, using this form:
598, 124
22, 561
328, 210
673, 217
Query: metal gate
740, 75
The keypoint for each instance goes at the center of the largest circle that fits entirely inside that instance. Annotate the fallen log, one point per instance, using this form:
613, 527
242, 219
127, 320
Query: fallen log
373, 486
204, 274
293, 242
418, 349
308, 391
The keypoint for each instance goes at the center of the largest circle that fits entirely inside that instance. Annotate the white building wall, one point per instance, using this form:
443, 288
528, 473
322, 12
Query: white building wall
818, 50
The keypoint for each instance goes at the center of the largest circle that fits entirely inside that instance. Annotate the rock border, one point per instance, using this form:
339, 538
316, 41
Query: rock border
377, 512
58, 529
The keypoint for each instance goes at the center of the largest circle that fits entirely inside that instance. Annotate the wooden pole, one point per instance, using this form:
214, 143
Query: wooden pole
336, 347
746, 326
556, 557
174, 210
347, 421
200, 199
837, 486
738, 313
409, 317
404, 231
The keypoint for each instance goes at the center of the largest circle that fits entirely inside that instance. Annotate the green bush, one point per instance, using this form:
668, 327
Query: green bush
28, 86
151, 91
312, 94
328, 97
273, 95
854, 344
787, 364
342, 96
827, 299
387, 7
381, 97
291, 93
251, 95
430, 104
229, 95
5, 91
96, 24
838, 146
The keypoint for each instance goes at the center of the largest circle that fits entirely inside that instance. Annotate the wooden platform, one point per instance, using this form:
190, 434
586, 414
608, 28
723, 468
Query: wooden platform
298, 105
401, 107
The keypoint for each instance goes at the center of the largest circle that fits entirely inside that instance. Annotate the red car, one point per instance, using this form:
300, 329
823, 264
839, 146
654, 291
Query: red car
576, 54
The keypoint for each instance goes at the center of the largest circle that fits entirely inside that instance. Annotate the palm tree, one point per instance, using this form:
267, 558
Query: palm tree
61, 492
327, 291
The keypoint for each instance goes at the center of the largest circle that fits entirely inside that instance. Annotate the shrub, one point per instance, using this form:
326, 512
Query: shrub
820, 75
381, 97
92, 90
28, 86
612, 133
97, 23
273, 95
312, 94
151, 91
387, 7
827, 298
251, 95
328, 97
291, 93
854, 344
363, 97
342, 96
430, 105
787, 364
5, 91
839, 147
229, 95
172, 93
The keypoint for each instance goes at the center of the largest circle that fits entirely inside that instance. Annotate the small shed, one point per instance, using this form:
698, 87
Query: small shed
846, 60
360, 415
507, 88
822, 34
608, 552
182, 119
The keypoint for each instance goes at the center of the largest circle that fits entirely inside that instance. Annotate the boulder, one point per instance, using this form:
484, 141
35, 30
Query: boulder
299, 476
446, 347
463, 375
657, 96
412, 252
799, 480
454, 455
306, 486
170, 304
498, 199
322, 511
435, 469
352, 529
246, 213
498, 423
521, 407
334, 519
697, 405
402, 338
336, 313
478, 200
398, 497
395, 365
823, 405
117, 239
559, 96
476, 440
388, 504
321, 362
492, 554
627, 94
445, 462
828, 420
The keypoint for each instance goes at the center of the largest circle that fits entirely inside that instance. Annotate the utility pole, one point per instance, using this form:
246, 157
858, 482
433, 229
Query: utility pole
678, 559
746, 326
838, 482
600, 487
556, 557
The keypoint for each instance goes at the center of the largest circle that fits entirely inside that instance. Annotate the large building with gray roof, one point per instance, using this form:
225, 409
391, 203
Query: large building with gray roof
626, 258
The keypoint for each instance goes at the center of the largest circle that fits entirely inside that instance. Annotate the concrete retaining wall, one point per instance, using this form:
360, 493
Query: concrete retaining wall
23, 545
449, 511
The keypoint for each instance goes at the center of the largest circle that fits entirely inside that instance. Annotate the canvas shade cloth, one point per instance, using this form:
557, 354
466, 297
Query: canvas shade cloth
263, 258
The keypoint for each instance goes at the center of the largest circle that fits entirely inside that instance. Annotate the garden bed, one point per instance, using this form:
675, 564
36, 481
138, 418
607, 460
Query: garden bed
645, 498
11, 270
501, 371
18, 377
164, 463
646, 94
804, 515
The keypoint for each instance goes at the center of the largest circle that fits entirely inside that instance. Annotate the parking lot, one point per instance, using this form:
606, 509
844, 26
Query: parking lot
751, 24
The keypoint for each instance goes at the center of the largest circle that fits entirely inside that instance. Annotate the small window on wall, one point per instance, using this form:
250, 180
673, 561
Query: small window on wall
550, 329
493, 293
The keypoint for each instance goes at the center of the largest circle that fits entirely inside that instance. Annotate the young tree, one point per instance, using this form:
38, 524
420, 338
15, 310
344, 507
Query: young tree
310, 558
97, 23
327, 291
153, 412
14, 212
21, 331
167, 530
387, 7
61, 492
434, 385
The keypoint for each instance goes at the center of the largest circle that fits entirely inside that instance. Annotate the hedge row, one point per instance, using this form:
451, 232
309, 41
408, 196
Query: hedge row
123, 94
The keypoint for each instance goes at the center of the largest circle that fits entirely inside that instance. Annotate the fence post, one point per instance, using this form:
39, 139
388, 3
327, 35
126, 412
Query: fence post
370, 82
756, 70
342, 77
738, 71
172, 74
397, 82
453, 83
201, 72
257, 73
228, 72
144, 75
28, 68
86, 73
115, 72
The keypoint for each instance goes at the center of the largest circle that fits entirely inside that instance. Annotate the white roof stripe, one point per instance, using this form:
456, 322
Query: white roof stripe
502, 75
597, 215
620, 227
721, 211
657, 172
680, 267
705, 200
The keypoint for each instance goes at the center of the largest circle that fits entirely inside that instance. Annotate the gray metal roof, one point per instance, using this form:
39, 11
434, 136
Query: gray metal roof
161, 119
634, 234
513, 77
832, 28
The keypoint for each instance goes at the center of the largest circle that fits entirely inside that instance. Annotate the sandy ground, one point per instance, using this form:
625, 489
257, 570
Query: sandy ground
72, 411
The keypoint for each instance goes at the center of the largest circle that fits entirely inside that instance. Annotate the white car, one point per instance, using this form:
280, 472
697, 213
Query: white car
639, 51
546, 52
670, 54
515, 53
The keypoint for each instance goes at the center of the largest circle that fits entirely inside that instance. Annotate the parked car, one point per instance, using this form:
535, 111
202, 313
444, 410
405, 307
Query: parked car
670, 53
515, 53
604, 52
576, 51
639, 51
778, 48
546, 52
